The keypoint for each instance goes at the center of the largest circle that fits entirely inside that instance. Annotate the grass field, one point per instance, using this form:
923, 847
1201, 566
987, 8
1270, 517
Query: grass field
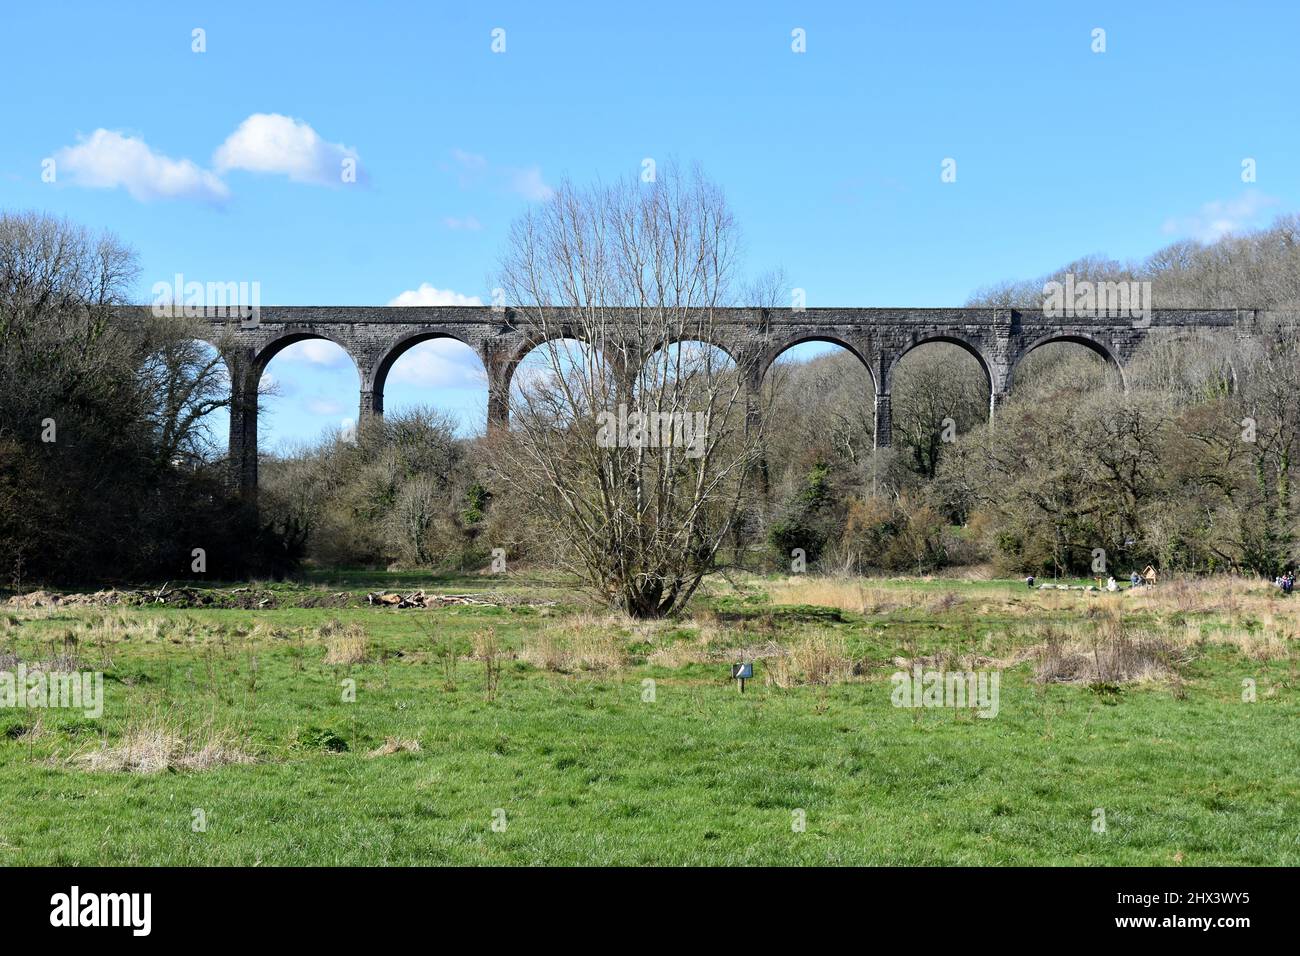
606, 741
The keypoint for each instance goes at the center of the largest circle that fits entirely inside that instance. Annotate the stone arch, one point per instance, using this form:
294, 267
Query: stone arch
889, 363
246, 374
769, 356
502, 372
972, 347
375, 381
668, 341
262, 357
1078, 338
502, 376
761, 385
218, 339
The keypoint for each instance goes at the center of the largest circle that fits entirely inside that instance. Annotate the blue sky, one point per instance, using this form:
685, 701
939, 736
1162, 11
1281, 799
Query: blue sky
223, 165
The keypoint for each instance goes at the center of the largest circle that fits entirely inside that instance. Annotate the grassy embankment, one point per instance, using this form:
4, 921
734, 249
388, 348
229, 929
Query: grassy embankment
609, 741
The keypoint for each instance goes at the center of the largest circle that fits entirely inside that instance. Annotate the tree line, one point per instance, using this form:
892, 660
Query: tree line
108, 471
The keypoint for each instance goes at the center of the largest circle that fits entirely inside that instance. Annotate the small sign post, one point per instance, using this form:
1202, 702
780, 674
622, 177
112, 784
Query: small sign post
742, 673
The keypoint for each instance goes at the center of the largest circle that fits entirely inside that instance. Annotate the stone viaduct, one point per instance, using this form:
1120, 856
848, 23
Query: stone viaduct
376, 337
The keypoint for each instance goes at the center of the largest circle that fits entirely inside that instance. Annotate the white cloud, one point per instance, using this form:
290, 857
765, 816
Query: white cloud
1218, 218
469, 223
474, 170
273, 143
428, 295
265, 142
529, 184
315, 352
469, 160
440, 363
324, 406
107, 159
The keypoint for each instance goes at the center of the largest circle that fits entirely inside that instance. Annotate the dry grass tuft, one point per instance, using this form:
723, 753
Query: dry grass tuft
1228, 595
846, 594
855, 595
35, 731
822, 592
820, 658
679, 654
156, 744
1257, 644
345, 643
944, 602
1107, 651
62, 660
395, 745
703, 639
582, 643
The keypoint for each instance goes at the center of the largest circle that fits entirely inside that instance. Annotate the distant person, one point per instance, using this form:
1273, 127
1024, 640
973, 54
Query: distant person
1111, 585
1134, 579
1288, 582
1029, 581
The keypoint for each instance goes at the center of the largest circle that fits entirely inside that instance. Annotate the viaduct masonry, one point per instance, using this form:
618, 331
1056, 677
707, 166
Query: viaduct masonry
375, 337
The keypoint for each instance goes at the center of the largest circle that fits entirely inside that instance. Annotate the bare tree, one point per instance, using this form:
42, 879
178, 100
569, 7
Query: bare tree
59, 285
186, 380
630, 446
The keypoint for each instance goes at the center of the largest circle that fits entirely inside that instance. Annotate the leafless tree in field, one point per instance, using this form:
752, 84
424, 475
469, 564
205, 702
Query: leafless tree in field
629, 447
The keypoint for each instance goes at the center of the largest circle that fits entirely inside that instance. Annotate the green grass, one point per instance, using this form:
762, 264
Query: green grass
588, 772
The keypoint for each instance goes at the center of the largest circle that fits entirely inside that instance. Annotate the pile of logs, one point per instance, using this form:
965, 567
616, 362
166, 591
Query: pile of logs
420, 599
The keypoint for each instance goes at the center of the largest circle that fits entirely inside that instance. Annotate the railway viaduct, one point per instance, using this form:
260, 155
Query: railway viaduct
375, 337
